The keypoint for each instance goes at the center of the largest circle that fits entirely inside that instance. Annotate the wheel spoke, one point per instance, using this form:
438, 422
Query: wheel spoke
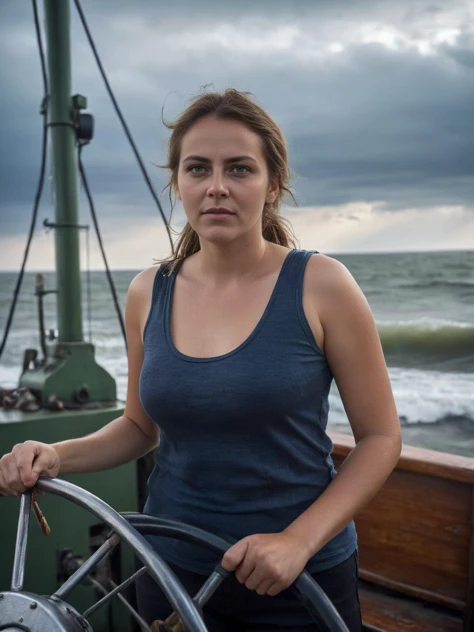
206, 591
18, 574
113, 592
141, 622
211, 584
76, 578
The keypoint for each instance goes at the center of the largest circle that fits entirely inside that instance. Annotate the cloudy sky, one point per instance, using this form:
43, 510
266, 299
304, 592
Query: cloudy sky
375, 98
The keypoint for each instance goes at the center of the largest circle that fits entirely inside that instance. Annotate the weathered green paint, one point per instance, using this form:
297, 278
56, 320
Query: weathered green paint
69, 523
65, 172
71, 367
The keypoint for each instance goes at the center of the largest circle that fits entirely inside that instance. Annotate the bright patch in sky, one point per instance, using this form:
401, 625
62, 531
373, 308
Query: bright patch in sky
265, 38
354, 227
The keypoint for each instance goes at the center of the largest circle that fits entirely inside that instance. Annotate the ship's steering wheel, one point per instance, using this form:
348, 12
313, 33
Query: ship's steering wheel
22, 611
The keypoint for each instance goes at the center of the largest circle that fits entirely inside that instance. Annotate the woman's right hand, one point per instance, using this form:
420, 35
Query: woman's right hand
21, 468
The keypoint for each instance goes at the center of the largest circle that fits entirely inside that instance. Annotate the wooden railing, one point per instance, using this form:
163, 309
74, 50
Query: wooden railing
416, 537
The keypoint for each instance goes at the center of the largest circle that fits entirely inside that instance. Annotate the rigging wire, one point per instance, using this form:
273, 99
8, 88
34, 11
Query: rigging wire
88, 281
39, 188
101, 245
122, 120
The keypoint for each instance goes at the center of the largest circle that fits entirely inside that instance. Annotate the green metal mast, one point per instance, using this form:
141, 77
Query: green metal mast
64, 165
70, 372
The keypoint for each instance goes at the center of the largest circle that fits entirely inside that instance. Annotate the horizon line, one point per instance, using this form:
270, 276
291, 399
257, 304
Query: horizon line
329, 253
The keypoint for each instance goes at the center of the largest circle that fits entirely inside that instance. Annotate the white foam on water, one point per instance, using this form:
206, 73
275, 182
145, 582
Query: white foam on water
9, 376
426, 322
118, 367
422, 396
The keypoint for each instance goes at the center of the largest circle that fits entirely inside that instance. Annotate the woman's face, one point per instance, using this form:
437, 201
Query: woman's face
222, 165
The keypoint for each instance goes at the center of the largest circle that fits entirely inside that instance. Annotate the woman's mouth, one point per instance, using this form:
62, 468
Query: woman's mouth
218, 213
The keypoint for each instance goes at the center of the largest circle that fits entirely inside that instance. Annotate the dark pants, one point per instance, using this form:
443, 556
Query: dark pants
235, 608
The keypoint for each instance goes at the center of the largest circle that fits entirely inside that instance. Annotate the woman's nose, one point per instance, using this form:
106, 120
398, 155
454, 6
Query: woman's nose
217, 184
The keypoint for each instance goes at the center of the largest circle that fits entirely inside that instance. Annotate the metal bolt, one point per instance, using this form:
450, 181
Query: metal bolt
33, 605
20, 620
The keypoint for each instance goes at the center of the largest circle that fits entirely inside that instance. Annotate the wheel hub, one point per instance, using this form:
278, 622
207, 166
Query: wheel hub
34, 613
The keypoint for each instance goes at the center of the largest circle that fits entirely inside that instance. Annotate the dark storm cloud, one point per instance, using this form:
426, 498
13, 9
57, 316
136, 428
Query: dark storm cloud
463, 51
403, 134
369, 124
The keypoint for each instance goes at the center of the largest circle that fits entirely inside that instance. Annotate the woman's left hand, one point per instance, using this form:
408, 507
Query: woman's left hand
267, 562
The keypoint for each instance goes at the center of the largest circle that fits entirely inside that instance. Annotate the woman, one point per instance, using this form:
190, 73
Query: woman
233, 345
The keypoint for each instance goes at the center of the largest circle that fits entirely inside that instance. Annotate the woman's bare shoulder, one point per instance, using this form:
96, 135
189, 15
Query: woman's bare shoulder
327, 273
143, 281
139, 296
332, 287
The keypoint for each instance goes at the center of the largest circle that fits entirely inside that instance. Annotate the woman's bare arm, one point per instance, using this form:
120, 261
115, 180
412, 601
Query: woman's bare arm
134, 434
354, 353
120, 441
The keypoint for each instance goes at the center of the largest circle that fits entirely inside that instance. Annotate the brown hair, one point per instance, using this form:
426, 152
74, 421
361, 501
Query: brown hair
234, 105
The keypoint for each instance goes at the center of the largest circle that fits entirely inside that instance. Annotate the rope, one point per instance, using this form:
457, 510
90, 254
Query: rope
122, 120
39, 188
88, 284
101, 245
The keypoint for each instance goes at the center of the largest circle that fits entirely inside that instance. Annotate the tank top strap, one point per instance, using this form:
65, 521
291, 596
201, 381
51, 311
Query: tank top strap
299, 261
158, 301
293, 272
287, 314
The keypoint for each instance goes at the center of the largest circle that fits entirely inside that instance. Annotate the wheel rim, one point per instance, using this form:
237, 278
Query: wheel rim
310, 593
158, 569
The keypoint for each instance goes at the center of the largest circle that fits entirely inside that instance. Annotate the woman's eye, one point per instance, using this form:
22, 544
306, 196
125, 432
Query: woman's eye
241, 167
193, 167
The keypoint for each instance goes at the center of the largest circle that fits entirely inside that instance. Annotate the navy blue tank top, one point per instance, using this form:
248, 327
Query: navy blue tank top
243, 445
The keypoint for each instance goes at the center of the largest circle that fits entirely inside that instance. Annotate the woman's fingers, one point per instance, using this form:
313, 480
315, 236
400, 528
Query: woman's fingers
25, 454
11, 475
264, 587
5, 489
21, 468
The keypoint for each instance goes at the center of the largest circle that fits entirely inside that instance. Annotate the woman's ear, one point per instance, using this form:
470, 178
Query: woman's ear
273, 191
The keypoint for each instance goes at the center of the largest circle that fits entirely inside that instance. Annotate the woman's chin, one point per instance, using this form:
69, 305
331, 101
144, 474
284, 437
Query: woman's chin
219, 234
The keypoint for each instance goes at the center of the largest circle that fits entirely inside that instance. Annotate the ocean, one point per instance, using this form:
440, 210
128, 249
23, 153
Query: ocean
423, 304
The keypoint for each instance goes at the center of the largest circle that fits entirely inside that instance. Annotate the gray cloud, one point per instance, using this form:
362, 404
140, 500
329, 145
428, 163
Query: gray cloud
371, 123
463, 51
